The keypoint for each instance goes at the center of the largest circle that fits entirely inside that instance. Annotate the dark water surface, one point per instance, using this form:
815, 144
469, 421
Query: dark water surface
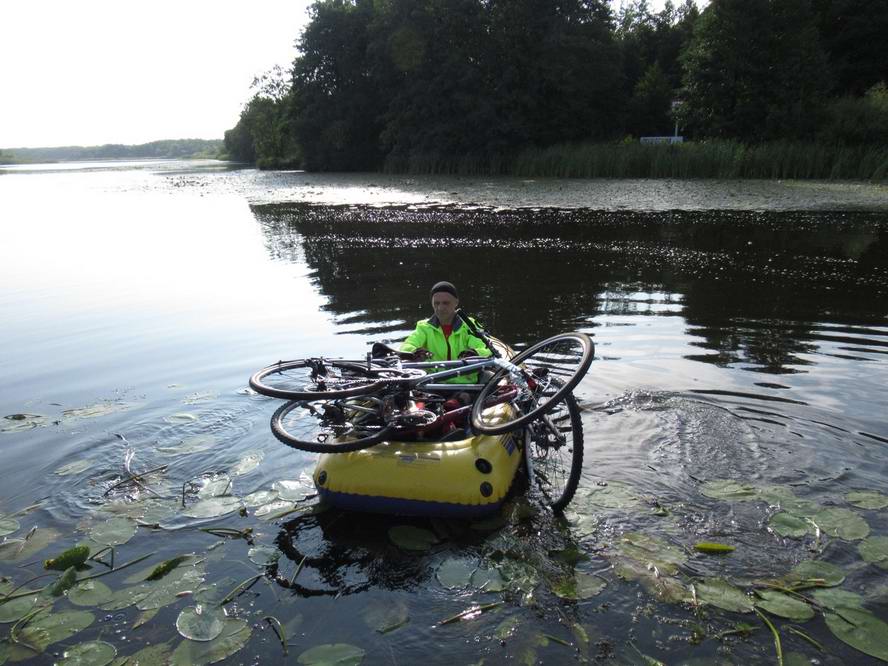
741, 333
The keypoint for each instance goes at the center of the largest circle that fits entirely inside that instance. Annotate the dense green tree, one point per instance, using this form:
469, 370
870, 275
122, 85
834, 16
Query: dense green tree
754, 70
651, 104
335, 102
854, 34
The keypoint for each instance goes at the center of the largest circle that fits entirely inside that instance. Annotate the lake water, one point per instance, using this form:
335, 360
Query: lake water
741, 333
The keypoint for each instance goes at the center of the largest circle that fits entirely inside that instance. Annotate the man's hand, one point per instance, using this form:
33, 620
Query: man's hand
421, 354
468, 353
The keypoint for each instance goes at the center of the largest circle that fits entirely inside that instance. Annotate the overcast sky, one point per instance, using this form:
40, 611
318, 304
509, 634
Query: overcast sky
89, 72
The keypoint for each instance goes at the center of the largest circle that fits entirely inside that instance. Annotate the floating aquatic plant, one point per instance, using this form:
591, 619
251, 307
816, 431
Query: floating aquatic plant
8, 525
456, 572
213, 507
333, 653
73, 557
200, 622
91, 653
722, 594
90, 593
867, 499
235, 634
384, 616
114, 532
409, 537
75, 467
875, 551
784, 605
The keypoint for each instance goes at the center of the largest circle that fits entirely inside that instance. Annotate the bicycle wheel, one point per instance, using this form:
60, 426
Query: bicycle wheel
551, 368
555, 452
318, 378
336, 426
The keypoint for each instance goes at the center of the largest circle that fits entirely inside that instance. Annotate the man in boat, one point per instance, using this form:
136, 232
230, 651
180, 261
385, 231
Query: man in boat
444, 336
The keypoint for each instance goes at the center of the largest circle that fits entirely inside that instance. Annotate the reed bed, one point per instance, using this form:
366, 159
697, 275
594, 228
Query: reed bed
704, 159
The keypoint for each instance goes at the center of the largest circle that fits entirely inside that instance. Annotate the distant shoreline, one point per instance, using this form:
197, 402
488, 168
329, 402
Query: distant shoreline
163, 149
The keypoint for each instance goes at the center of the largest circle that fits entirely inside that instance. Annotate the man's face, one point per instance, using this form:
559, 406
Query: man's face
444, 305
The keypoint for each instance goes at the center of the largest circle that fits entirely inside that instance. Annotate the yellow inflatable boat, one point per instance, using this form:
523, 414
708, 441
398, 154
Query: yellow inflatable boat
466, 478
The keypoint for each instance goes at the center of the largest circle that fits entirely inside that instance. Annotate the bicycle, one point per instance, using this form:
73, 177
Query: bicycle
338, 406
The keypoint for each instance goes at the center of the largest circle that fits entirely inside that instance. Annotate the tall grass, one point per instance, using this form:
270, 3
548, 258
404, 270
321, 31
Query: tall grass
705, 159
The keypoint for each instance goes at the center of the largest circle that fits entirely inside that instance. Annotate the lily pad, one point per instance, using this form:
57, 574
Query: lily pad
91, 653
274, 509
90, 593
93, 411
614, 495
665, 588
838, 600
340, 654
219, 485
720, 593
152, 655
193, 444
45, 628
15, 610
293, 490
260, 497
75, 467
867, 499
16, 550
409, 537
264, 556
21, 422
235, 634
385, 616
830, 574
789, 525
488, 580
126, 597
145, 617
842, 523
728, 489
875, 551
861, 630
248, 463
200, 623
456, 572
212, 507
652, 550
8, 525
580, 586
784, 605
114, 532
169, 589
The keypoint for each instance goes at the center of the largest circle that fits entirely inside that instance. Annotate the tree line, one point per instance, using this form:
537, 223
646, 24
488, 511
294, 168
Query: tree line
449, 85
164, 149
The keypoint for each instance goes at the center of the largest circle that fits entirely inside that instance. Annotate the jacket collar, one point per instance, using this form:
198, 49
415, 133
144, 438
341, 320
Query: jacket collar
434, 321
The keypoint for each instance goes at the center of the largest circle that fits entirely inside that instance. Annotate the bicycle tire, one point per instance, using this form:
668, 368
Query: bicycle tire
579, 350
282, 431
353, 379
555, 480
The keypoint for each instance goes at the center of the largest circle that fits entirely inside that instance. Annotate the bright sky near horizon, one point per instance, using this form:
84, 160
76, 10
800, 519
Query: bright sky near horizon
105, 71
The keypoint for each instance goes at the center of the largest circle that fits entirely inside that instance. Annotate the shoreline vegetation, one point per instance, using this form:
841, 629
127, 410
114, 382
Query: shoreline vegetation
692, 160
163, 149
757, 89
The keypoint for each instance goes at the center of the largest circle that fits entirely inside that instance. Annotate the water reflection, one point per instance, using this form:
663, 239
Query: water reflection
752, 287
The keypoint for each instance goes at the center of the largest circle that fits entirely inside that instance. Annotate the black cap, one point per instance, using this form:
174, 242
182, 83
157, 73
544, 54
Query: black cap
444, 286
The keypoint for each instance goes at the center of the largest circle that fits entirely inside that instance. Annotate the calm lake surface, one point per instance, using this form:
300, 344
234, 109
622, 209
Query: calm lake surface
741, 333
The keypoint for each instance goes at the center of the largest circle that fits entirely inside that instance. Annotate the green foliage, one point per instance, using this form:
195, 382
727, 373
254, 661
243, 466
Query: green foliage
755, 70
166, 149
531, 88
858, 120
